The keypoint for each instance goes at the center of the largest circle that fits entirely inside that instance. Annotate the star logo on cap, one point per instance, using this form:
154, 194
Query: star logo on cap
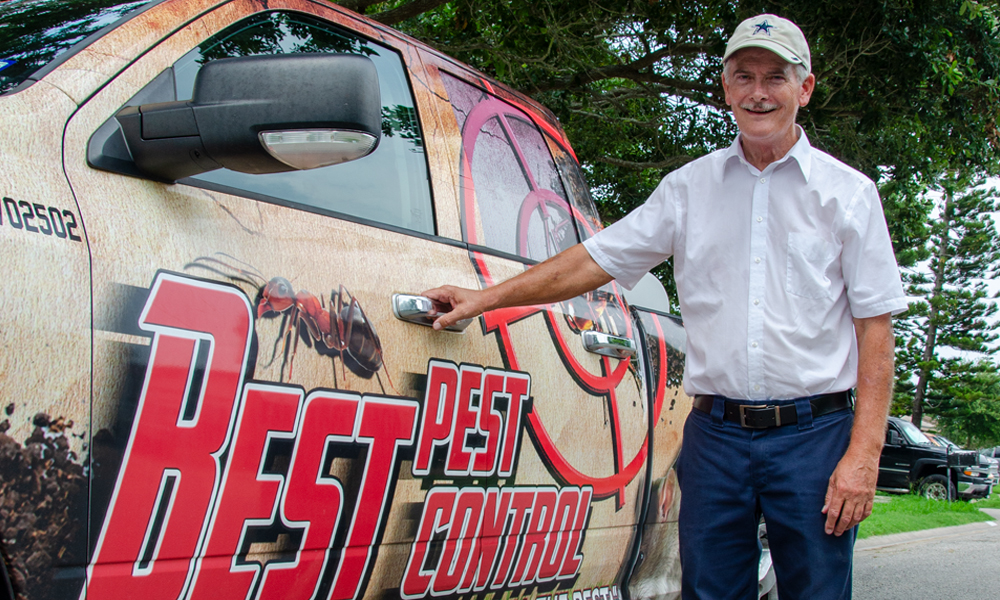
763, 26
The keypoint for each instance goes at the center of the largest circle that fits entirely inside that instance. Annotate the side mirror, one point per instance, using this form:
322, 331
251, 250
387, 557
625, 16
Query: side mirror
257, 114
893, 437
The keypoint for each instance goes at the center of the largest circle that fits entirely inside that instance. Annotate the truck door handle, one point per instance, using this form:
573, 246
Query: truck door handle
608, 345
420, 310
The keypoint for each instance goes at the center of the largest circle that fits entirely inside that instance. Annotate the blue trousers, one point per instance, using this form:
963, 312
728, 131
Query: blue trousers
730, 476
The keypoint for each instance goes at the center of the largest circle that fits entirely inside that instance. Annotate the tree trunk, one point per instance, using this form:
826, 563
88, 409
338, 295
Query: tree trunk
917, 409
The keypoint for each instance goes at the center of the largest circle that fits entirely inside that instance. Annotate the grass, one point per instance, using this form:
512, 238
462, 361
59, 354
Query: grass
992, 502
911, 512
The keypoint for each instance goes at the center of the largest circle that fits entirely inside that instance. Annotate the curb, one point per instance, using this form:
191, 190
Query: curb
883, 541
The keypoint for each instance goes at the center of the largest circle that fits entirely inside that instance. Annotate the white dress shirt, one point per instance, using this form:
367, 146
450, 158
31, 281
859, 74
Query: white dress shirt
770, 268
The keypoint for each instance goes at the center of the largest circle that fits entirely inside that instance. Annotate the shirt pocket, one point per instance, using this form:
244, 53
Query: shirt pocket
809, 258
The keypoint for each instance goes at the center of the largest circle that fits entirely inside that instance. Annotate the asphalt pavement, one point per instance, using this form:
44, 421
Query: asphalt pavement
949, 562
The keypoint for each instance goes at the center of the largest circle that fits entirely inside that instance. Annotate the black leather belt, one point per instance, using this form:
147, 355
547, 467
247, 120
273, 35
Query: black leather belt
764, 416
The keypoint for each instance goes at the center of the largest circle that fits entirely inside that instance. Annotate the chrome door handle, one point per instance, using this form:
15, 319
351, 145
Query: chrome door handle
609, 345
420, 310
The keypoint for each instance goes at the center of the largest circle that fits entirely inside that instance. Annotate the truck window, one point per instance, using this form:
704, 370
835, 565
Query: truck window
510, 180
35, 34
914, 435
390, 186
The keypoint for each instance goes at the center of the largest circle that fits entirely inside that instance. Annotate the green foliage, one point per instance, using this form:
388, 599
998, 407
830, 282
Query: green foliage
955, 311
965, 400
992, 502
911, 512
906, 88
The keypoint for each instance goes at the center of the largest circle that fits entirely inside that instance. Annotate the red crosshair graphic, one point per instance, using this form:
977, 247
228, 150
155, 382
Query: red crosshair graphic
557, 219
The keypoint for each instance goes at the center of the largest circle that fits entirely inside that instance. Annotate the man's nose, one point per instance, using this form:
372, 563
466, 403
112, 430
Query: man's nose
759, 91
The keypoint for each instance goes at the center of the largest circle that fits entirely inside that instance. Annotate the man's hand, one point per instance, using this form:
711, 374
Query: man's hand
851, 492
570, 273
455, 303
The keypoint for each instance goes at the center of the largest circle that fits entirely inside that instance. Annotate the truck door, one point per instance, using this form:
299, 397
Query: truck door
263, 424
522, 200
255, 398
656, 570
895, 462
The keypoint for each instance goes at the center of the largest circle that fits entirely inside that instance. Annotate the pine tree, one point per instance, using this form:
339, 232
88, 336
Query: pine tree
955, 308
966, 401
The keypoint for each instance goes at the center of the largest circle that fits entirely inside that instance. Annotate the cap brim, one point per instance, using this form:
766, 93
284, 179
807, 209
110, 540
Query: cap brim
778, 49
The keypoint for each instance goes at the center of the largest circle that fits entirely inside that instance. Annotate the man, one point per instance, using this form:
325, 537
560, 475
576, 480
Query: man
787, 282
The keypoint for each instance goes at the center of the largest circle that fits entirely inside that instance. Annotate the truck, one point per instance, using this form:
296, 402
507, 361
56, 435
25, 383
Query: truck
910, 461
216, 374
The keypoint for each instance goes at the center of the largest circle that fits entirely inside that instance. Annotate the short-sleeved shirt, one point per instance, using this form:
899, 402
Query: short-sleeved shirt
771, 268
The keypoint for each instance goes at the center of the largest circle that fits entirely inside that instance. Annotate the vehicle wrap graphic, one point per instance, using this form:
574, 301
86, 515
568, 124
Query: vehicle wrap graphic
480, 554
199, 491
38, 218
558, 220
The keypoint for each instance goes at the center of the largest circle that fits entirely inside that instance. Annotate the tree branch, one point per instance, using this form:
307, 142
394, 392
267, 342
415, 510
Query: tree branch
673, 161
407, 11
358, 6
633, 71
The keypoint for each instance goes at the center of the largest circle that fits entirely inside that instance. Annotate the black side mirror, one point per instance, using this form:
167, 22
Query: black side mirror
258, 114
893, 437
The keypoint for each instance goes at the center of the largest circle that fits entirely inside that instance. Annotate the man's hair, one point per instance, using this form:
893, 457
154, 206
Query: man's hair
799, 71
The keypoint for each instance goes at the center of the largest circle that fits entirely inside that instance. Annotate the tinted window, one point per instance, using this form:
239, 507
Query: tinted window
33, 33
510, 184
914, 435
388, 186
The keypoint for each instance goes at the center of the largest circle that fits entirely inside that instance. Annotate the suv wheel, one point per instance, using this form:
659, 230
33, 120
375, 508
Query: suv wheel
935, 487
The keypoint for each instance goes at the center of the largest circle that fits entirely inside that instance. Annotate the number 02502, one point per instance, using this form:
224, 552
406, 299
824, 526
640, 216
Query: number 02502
38, 218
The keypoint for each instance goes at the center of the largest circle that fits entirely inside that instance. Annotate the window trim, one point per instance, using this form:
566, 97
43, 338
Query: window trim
258, 197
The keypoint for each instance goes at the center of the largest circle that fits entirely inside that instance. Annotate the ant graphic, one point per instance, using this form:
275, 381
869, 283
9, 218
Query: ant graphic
340, 329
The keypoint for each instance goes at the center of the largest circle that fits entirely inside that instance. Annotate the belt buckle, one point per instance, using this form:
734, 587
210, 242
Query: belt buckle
743, 415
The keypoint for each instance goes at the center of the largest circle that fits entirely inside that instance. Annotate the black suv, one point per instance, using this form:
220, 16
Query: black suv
911, 461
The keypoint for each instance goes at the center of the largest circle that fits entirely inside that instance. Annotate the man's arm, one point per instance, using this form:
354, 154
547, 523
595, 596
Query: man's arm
851, 492
568, 274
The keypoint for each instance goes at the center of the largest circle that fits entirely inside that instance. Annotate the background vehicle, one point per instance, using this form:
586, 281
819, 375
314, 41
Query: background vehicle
987, 465
910, 460
216, 378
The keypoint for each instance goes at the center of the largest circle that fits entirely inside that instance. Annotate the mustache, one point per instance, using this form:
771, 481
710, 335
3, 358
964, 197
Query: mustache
758, 106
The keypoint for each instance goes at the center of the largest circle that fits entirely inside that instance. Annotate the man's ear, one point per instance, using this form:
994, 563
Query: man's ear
805, 93
725, 87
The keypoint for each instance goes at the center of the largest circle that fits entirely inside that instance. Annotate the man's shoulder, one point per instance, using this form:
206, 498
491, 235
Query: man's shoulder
699, 166
827, 165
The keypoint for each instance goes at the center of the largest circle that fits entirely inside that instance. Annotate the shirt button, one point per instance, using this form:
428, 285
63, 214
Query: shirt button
753, 345
756, 302
756, 388
759, 219
763, 180
757, 260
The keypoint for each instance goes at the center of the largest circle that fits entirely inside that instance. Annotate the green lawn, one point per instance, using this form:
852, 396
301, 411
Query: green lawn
992, 502
910, 512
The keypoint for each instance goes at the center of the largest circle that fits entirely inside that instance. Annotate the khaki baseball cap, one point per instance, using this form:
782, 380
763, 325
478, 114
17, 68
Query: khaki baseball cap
773, 33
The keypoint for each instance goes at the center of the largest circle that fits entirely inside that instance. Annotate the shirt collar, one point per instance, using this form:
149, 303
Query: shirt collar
801, 152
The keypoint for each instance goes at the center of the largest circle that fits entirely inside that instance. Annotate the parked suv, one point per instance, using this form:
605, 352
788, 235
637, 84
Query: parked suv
987, 464
911, 461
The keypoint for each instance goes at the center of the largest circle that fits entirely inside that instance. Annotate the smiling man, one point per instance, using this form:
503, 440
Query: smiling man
787, 282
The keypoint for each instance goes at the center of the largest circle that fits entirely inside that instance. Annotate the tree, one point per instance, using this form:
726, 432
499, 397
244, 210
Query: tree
955, 310
966, 402
907, 89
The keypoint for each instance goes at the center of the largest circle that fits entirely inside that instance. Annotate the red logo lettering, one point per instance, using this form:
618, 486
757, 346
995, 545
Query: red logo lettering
168, 480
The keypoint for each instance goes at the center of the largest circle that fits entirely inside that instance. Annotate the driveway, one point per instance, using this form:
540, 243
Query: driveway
951, 562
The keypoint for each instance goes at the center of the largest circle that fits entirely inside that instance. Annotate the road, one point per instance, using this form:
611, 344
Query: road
953, 563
